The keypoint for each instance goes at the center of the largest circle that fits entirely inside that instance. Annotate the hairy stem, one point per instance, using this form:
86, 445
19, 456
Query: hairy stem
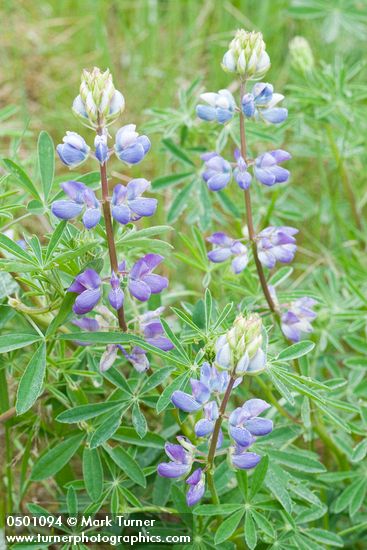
250, 221
110, 236
214, 439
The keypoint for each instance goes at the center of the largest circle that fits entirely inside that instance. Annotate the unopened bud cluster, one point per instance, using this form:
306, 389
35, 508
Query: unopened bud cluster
98, 101
239, 350
247, 55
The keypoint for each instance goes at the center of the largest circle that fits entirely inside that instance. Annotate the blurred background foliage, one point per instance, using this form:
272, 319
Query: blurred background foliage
162, 54
156, 49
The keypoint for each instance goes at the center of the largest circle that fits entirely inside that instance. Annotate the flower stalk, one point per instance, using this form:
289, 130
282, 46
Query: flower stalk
214, 440
109, 233
249, 217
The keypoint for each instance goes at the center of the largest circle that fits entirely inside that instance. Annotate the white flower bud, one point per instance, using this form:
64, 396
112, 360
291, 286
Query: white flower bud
98, 101
247, 56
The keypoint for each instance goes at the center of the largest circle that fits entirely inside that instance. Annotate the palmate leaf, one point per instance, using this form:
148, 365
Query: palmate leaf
126, 463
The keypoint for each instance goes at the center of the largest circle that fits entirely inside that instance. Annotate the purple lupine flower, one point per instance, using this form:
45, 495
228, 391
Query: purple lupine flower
211, 381
267, 170
262, 103
197, 487
180, 464
108, 357
154, 335
129, 146
243, 459
102, 152
217, 172
73, 151
116, 295
245, 424
276, 244
88, 287
137, 357
298, 318
217, 381
81, 198
22, 244
128, 204
142, 282
86, 323
194, 402
224, 248
240, 173
205, 426
220, 106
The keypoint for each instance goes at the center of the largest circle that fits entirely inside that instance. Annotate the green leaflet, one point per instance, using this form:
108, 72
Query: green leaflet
30, 384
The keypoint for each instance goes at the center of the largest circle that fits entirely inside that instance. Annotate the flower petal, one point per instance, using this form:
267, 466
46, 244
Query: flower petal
86, 301
185, 401
66, 210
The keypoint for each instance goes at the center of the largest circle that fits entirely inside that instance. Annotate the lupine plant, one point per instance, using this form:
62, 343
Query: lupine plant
213, 402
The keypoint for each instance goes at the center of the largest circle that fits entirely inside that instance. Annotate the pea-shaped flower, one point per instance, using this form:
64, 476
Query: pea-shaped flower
101, 152
217, 172
240, 173
129, 146
298, 318
116, 295
242, 458
276, 244
142, 281
262, 103
180, 463
81, 199
267, 170
196, 484
88, 287
128, 204
73, 151
224, 248
205, 426
245, 423
220, 106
